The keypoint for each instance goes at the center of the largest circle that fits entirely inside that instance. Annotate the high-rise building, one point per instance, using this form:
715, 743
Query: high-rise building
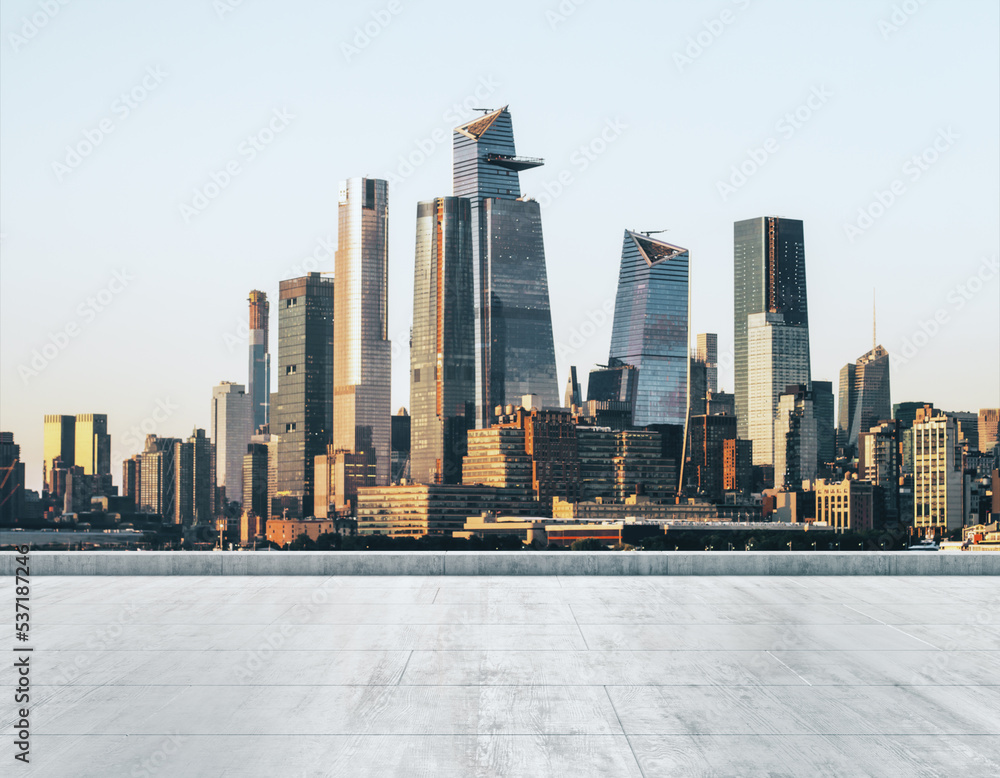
442, 347
231, 427
826, 432
967, 424
616, 383
641, 468
708, 352
717, 403
905, 414
515, 352
698, 387
255, 480
339, 475
194, 480
708, 437
938, 477
362, 352
302, 408
157, 478
596, 449
769, 265
132, 479
777, 357
401, 446
989, 422
795, 439
59, 442
497, 458
650, 328
878, 463
93, 444
737, 463
573, 395
11, 480
864, 398
259, 380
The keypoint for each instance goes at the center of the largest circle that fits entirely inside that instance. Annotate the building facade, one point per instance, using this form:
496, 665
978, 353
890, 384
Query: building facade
737, 464
938, 476
11, 480
259, 374
878, 463
846, 505
708, 353
515, 352
93, 444
795, 439
362, 359
989, 422
777, 357
708, 438
650, 330
442, 346
302, 408
194, 480
231, 420
59, 442
864, 398
769, 267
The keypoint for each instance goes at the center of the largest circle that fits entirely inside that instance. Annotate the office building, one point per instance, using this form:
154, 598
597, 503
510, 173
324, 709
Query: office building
573, 396
650, 330
864, 398
93, 444
302, 408
826, 431
707, 452
737, 466
795, 439
769, 277
132, 479
435, 509
401, 444
596, 448
967, 425
11, 480
255, 480
362, 352
259, 376
698, 387
157, 478
194, 477
938, 477
708, 353
515, 353
846, 505
59, 442
720, 403
777, 357
989, 422
641, 468
339, 475
878, 463
442, 345
231, 420
905, 414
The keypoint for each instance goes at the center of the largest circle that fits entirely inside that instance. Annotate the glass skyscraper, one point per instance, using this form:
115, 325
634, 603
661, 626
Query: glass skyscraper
362, 352
302, 408
864, 398
442, 346
769, 265
650, 328
514, 348
259, 377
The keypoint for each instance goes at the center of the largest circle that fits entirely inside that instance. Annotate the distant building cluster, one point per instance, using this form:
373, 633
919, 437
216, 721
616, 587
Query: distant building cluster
652, 438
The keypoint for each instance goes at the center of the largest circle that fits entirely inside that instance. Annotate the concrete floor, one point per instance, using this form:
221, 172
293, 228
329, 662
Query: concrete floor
561, 676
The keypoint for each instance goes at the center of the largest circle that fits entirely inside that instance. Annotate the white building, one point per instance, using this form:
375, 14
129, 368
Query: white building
778, 356
232, 426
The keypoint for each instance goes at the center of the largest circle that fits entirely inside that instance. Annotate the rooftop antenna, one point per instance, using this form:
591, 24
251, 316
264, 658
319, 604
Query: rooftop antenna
647, 233
484, 110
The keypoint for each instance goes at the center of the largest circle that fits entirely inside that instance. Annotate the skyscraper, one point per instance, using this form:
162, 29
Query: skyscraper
231, 419
93, 444
11, 480
708, 438
938, 488
157, 478
259, 376
194, 480
362, 352
573, 395
59, 442
826, 433
650, 328
442, 347
864, 398
778, 357
515, 352
769, 277
708, 352
302, 408
795, 439
989, 422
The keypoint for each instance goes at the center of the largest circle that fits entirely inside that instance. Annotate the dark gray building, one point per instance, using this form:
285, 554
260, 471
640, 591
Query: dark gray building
302, 408
769, 266
826, 434
864, 398
514, 348
442, 345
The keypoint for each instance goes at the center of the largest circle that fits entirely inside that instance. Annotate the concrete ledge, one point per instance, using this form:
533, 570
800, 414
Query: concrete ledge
506, 563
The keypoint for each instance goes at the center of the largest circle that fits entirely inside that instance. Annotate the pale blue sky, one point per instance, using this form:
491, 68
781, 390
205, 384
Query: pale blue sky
171, 331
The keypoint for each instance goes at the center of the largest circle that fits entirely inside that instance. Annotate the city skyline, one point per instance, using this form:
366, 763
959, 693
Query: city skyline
936, 313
